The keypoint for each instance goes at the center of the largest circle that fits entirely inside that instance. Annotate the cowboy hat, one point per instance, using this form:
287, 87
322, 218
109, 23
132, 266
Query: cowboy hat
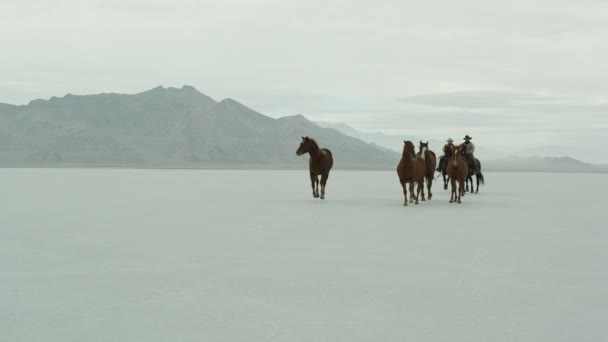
450, 140
467, 137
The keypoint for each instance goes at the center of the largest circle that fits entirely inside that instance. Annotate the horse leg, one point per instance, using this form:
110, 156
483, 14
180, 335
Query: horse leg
420, 190
324, 178
477, 178
463, 193
471, 179
314, 180
460, 190
404, 186
429, 183
445, 181
453, 190
412, 192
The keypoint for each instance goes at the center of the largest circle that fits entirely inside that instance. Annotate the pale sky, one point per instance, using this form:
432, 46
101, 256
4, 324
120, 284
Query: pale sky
515, 74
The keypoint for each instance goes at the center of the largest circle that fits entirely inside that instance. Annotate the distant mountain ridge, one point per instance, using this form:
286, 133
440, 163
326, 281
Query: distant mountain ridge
542, 164
167, 127
395, 142
181, 127
492, 160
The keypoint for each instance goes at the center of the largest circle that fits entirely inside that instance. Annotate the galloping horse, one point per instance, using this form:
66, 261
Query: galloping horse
321, 161
457, 171
411, 171
474, 170
431, 162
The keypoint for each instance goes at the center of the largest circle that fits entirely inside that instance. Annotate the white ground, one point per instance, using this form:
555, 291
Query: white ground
165, 255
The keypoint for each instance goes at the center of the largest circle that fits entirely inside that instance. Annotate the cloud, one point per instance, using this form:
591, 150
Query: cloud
475, 99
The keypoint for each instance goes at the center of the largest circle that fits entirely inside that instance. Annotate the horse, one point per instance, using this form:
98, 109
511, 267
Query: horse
431, 163
321, 161
457, 171
411, 170
474, 170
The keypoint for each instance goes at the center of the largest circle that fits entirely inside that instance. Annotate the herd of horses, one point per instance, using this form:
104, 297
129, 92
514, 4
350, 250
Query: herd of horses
413, 169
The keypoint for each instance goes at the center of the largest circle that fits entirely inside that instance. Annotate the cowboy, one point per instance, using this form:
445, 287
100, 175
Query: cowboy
447, 153
469, 150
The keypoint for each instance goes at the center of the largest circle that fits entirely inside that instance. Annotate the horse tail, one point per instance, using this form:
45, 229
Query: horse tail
480, 174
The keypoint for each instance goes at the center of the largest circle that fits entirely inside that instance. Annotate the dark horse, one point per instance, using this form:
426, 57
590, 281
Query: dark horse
474, 169
457, 170
431, 162
320, 163
411, 170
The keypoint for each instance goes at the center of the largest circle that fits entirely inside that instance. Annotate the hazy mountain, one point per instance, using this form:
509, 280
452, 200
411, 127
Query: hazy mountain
544, 164
171, 127
492, 159
561, 150
395, 142
167, 127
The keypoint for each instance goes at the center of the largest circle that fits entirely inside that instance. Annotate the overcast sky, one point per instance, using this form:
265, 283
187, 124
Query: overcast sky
512, 73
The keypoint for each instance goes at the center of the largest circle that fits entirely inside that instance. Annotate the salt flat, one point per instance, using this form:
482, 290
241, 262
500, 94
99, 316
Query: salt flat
193, 255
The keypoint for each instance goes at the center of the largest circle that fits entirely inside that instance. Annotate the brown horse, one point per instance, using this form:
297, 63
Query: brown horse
431, 162
321, 161
457, 171
411, 170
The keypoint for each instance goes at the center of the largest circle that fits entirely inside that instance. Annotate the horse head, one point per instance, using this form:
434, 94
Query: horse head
304, 146
423, 147
409, 149
307, 145
456, 153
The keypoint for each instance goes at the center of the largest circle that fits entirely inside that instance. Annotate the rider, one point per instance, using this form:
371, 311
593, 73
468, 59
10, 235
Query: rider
469, 150
447, 153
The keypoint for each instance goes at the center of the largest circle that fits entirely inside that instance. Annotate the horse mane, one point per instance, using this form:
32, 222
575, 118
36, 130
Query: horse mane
314, 143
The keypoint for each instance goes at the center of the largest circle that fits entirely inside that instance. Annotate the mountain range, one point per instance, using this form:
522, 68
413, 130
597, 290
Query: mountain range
540, 159
542, 164
395, 142
167, 127
184, 128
